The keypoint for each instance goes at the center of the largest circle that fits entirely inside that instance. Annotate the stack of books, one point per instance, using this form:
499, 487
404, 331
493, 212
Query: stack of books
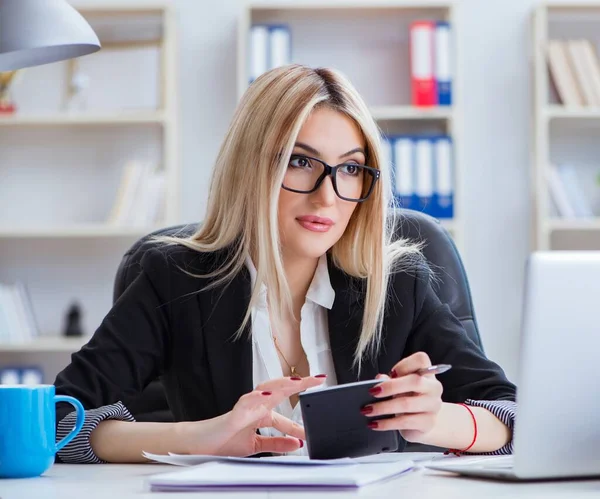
140, 198
567, 194
422, 172
17, 320
575, 72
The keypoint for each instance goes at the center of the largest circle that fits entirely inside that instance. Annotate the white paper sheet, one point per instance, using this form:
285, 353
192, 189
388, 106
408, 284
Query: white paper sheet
194, 460
242, 474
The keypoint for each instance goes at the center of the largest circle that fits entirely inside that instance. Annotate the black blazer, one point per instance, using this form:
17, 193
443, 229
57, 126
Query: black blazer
166, 324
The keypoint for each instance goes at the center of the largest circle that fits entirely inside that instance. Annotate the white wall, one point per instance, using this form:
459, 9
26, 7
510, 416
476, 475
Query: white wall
495, 44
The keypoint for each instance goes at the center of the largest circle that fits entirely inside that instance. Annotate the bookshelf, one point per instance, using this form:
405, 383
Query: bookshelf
381, 48
46, 344
564, 132
53, 235
107, 119
146, 31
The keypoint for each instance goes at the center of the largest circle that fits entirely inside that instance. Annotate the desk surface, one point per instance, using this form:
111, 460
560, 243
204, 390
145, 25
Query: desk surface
124, 481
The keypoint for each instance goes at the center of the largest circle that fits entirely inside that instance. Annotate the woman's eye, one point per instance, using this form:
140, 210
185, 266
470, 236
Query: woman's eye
299, 162
351, 169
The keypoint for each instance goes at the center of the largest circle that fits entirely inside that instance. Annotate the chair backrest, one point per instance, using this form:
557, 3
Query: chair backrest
439, 249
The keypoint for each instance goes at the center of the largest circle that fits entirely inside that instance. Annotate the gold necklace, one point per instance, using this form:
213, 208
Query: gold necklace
292, 369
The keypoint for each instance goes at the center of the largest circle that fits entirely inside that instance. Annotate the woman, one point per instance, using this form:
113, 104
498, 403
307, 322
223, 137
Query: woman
345, 301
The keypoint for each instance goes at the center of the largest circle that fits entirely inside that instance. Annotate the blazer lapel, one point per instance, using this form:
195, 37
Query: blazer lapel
229, 360
345, 319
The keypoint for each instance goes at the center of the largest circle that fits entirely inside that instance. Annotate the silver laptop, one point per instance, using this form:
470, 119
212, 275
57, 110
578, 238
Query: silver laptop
557, 430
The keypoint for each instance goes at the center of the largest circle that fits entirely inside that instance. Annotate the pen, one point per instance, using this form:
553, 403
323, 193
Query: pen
437, 369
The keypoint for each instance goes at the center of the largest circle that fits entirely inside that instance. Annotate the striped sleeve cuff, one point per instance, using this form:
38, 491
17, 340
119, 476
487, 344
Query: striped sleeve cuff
79, 450
505, 411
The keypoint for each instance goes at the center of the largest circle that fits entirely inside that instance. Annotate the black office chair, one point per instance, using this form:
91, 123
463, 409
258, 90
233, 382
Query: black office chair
440, 250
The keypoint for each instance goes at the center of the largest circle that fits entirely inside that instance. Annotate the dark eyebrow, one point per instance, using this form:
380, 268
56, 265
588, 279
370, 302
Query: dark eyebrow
312, 150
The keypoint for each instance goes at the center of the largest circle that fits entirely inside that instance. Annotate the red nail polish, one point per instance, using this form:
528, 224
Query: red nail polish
266, 393
368, 409
321, 376
301, 443
393, 374
375, 390
373, 424
296, 378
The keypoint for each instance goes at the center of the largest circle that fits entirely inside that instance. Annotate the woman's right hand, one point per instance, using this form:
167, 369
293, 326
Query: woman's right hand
234, 433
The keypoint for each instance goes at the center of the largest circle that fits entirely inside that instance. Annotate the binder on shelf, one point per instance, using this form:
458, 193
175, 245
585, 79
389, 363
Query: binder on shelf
423, 86
280, 46
270, 47
21, 375
387, 153
403, 172
424, 175
443, 203
10, 376
259, 50
443, 63
31, 375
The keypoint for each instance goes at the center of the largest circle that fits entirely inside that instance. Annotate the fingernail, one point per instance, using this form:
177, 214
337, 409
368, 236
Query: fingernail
393, 374
367, 409
373, 424
296, 378
301, 443
321, 376
375, 390
266, 393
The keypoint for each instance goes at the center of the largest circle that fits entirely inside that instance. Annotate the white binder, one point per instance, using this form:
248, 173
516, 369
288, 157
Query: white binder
280, 46
424, 173
404, 181
259, 51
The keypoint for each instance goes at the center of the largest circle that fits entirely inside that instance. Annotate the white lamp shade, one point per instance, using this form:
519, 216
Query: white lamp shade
35, 32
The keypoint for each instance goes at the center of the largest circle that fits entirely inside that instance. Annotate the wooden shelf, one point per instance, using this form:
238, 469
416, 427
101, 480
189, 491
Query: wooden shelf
59, 119
350, 4
574, 224
58, 344
75, 231
411, 113
563, 112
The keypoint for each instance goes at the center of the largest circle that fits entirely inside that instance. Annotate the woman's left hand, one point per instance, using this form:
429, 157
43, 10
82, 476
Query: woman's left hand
416, 402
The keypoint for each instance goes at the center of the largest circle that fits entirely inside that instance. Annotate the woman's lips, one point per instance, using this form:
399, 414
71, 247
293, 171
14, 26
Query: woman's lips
315, 224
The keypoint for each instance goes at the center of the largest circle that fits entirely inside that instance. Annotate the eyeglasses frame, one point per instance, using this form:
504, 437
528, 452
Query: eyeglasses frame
331, 171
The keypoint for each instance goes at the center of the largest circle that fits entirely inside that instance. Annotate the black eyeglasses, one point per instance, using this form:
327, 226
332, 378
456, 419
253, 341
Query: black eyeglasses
351, 181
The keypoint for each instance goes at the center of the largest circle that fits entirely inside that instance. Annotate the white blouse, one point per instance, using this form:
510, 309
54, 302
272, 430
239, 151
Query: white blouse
314, 337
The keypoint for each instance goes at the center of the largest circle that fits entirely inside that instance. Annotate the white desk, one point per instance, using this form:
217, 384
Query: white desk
114, 481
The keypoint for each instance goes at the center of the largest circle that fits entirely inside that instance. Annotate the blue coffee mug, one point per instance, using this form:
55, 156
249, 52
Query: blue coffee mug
28, 429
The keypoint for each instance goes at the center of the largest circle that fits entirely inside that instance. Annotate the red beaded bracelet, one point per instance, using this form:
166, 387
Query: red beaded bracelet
457, 452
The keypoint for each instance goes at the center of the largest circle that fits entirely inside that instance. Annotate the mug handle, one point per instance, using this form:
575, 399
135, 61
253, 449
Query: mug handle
78, 423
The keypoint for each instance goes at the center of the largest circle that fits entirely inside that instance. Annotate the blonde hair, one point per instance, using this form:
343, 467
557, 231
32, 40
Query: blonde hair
244, 193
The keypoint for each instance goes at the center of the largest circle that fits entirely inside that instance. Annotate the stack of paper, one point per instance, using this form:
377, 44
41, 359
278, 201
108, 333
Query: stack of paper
290, 474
